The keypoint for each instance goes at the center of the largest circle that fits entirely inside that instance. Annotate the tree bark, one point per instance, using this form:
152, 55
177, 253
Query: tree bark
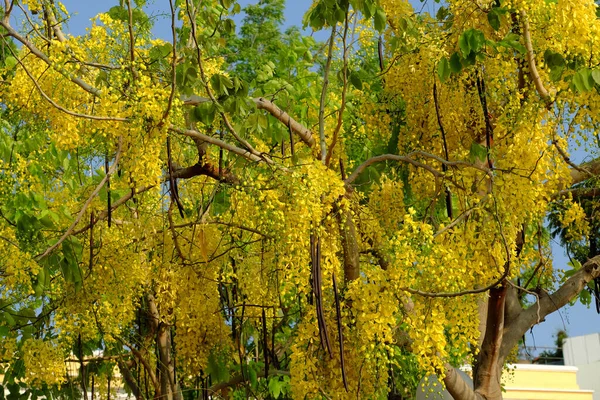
350, 247
168, 386
516, 327
487, 371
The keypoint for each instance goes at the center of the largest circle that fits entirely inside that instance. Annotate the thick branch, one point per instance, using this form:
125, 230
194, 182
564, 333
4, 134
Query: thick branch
584, 171
227, 146
207, 170
305, 134
457, 387
129, 379
547, 304
535, 76
263, 104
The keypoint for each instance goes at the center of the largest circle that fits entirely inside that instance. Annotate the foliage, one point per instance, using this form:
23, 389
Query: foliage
255, 214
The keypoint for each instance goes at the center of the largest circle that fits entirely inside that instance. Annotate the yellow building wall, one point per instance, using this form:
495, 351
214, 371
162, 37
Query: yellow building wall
543, 382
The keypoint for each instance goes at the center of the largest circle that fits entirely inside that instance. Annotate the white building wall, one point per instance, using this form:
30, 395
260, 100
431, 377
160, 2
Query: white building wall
583, 352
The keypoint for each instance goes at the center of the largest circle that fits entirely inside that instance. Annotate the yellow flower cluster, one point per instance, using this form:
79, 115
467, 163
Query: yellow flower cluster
574, 220
44, 362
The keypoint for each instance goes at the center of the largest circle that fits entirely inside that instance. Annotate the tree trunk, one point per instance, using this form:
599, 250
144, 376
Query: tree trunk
166, 364
487, 371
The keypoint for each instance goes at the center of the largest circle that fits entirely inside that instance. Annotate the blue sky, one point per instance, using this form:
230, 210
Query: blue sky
578, 320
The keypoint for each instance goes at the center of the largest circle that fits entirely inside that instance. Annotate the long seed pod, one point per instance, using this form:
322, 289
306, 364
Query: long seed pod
265, 345
312, 272
340, 333
597, 294
342, 169
444, 167
91, 242
291, 135
380, 53
172, 183
221, 156
319, 296
108, 199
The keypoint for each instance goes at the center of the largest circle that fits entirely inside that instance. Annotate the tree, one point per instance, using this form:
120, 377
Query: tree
225, 219
555, 357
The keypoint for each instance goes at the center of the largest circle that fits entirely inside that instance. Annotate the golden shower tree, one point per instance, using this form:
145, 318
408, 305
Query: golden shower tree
251, 213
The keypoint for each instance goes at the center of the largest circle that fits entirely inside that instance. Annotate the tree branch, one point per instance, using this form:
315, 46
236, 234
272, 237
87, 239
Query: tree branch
408, 159
227, 146
78, 81
535, 76
547, 304
585, 171
340, 118
305, 134
457, 387
324, 96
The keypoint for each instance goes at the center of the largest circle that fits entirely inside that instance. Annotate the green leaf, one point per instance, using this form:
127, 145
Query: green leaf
4, 331
229, 26
252, 378
380, 20
340, 15
275, 387
442, 13
118, 13
463, 44
583, 81
455, 63
217, 368
476, 40
160, 51
494, 19
512, 41
356, 81
477, 152
205, 113
443, 69
585, 297
10, 62
596, 76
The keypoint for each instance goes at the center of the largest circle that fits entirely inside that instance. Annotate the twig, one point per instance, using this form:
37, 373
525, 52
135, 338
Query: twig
173, 65
78, 81
455, 222
340, 118
58, 106
324, 95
